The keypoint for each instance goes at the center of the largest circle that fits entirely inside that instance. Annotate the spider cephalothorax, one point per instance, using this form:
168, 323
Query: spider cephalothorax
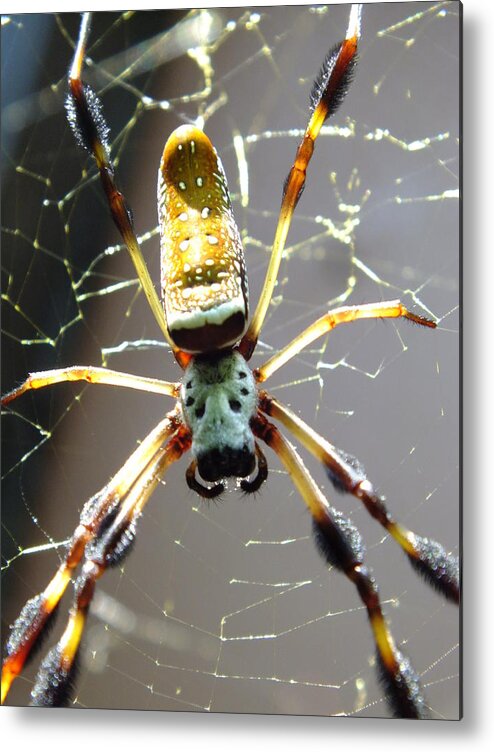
219, 400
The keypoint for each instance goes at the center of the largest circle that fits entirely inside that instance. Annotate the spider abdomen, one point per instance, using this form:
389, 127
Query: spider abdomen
203, 279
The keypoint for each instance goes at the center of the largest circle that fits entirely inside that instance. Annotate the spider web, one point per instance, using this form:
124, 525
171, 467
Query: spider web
227, 606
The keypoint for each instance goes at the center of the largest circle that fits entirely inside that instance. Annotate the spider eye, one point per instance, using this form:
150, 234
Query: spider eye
235, 406
199, 413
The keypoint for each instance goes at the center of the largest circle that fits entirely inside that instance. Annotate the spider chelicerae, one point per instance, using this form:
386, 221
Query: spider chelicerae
222, 413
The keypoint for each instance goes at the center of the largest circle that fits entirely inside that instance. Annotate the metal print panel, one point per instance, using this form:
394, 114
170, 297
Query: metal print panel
189, 512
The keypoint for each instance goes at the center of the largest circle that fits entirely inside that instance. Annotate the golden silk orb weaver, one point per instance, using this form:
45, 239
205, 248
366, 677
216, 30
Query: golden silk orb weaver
222, 413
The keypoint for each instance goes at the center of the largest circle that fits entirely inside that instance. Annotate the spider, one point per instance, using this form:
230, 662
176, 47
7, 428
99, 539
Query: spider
222, 414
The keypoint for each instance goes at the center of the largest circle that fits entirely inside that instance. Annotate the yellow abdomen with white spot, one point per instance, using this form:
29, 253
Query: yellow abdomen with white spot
203, 279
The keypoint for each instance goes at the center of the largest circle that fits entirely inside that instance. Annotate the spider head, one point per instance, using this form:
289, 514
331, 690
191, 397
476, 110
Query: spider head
219, 399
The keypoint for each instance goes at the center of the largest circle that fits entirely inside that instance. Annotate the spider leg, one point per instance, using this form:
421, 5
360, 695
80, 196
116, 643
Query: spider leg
340, 544
328, 91
93, 375
86, 118
389, 309
31, 625
428, 557
53, 681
